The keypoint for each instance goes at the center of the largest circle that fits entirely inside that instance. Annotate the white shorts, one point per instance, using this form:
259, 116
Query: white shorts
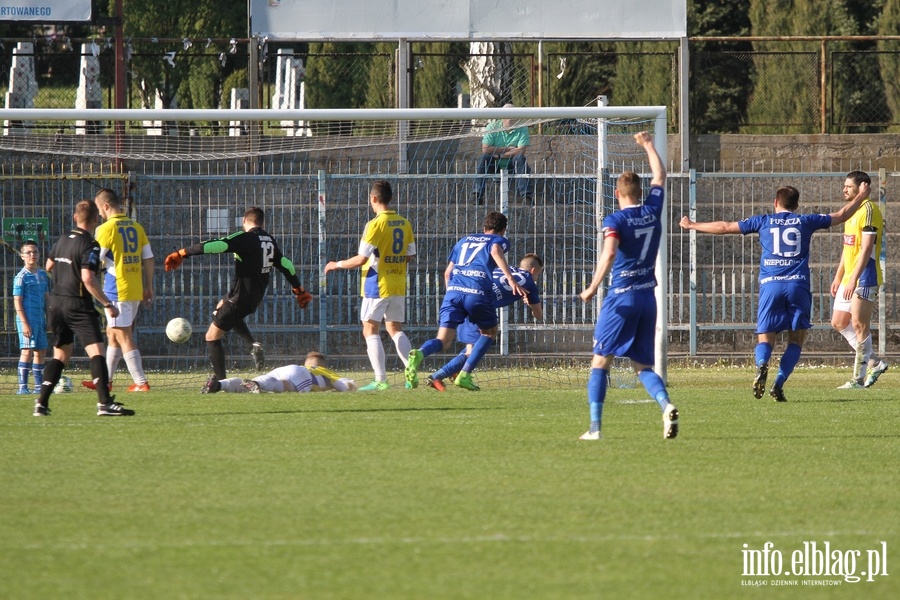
299, 377
128, 311
866, 293
392, 308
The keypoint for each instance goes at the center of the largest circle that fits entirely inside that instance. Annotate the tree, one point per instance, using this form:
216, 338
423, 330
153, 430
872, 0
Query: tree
490, 72
436, 74
785, 94
579, 72
334, 75
888, 24
152, 75
858, 75
380, 73
720, 73
644, 74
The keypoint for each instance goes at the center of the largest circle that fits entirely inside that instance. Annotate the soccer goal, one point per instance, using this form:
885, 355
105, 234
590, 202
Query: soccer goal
188, 175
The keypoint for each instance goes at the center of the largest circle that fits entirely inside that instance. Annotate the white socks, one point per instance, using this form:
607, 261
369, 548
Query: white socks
113, 356
401, 342
135, 366
850, 335
376, 357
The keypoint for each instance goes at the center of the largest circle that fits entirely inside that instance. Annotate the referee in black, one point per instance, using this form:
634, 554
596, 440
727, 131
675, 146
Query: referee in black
255, 255
73, 264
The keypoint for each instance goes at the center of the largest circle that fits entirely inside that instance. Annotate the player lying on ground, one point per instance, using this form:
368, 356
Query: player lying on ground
313, 376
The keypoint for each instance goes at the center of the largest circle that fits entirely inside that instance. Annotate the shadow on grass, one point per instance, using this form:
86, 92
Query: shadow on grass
849, 399
297, 411
811, 436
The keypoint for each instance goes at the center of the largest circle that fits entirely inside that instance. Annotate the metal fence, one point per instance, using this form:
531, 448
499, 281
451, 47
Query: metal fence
714, 313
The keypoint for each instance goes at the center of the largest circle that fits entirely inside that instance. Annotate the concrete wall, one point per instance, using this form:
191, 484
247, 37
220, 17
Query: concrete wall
792, 153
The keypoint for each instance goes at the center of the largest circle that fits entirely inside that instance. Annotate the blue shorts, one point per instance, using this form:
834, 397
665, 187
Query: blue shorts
38, 339
467, 332
627, 327
457, 306
783, 306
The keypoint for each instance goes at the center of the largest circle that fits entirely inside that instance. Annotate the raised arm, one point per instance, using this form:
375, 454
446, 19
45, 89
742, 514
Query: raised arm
644, 140
848, 209
866, 247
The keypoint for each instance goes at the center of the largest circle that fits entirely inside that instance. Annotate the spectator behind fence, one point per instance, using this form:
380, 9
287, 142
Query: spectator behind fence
503, 147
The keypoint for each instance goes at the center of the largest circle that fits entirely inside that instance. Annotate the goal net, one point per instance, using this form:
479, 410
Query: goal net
188, 175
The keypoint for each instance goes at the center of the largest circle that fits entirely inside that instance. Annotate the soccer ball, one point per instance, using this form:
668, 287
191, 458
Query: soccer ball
179, 330
63, 386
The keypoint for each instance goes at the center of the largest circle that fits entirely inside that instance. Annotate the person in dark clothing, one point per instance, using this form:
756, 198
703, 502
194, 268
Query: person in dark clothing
73, 264
256, 254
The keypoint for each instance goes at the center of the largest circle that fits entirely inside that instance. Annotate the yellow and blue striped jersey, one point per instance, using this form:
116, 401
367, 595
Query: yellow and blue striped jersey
867, 220
123, 247
386, 241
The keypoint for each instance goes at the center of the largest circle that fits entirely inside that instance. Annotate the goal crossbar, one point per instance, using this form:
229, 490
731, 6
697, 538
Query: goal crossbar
331, 114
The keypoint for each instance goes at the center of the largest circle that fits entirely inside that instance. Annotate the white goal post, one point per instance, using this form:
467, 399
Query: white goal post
397, 143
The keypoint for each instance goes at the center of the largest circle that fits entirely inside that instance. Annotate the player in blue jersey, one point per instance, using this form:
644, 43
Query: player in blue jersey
469, 291
627, 322
530, 268
785, 299
31, 296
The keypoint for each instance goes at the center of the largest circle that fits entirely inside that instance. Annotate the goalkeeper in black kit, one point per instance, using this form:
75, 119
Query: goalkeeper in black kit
255, 255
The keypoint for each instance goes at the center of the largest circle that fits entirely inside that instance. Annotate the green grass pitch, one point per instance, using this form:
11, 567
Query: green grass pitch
417, 494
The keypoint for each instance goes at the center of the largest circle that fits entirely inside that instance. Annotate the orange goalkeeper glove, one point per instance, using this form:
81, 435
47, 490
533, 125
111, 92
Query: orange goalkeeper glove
303, 297
174, 260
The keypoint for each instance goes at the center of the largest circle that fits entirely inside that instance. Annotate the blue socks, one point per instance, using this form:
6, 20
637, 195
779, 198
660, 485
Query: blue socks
431, 347
38, 372
480, 348
453, 366
654, 385
23, 375
789, 360
596, 389
763, 353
